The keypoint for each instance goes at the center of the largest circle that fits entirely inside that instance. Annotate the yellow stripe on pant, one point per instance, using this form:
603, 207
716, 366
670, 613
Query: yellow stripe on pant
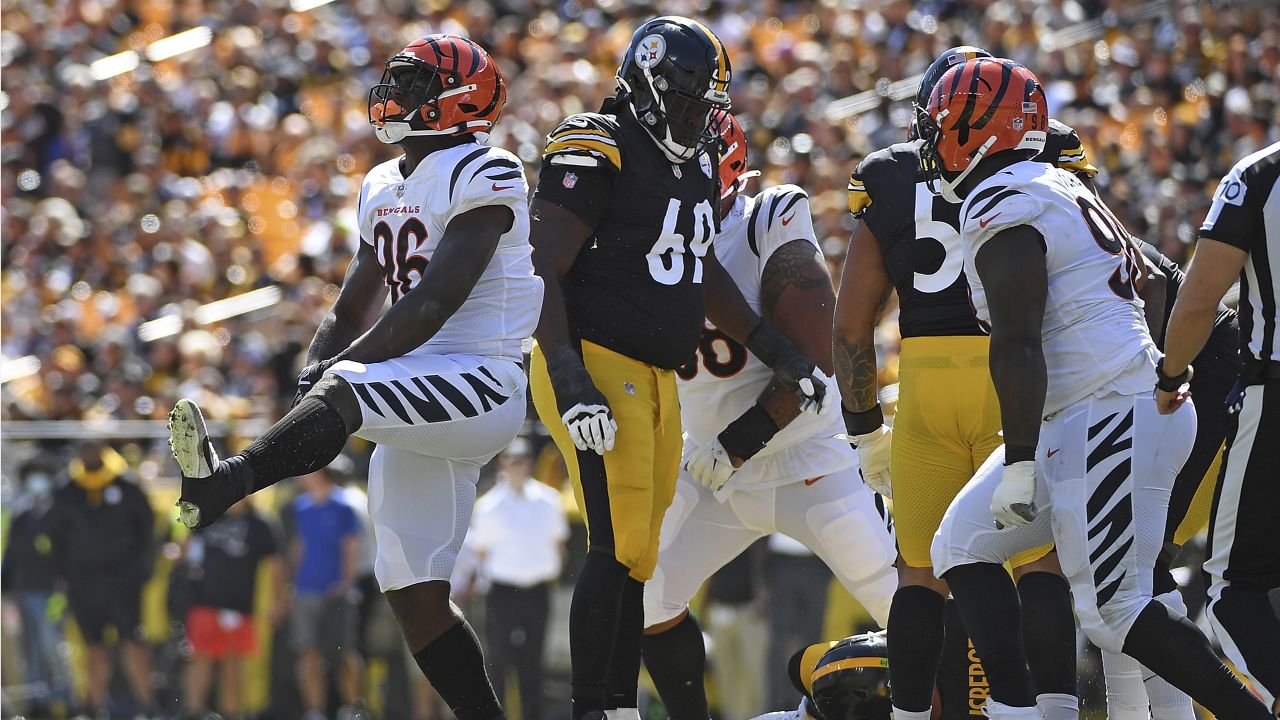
624, 495
1197, 517
947, 423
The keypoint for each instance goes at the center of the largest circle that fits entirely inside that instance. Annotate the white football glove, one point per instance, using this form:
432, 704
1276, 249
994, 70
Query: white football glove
873, 458
591, 427
710, 466
1014, 502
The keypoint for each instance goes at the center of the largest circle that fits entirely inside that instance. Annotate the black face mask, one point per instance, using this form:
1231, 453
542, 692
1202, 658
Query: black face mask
689, 119
410, 86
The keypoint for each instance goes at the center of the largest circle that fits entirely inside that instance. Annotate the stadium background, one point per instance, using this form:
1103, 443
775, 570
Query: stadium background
180, 176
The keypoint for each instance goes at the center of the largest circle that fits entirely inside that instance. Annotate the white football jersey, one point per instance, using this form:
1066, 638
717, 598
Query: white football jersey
404, 219
723, 380
1095, 336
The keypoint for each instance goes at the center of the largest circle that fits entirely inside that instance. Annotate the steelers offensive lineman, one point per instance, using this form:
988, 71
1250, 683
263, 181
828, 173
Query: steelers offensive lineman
436, 380
804, 482
1088, 462
621, 226
947, 422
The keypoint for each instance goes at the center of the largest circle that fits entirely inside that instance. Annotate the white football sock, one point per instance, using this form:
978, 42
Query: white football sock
1058, 706
899, 714
1126, 695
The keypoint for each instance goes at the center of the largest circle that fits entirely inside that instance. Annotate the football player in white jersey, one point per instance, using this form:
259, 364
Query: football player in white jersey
803, 482
1088, 462
435, 380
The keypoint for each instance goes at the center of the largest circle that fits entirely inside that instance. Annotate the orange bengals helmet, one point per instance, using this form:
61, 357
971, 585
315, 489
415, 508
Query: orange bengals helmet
733, 153
982, 108
437, 85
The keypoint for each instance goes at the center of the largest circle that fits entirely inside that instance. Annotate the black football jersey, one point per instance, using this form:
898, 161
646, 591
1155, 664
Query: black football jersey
636, 288
1220, 356
919, 232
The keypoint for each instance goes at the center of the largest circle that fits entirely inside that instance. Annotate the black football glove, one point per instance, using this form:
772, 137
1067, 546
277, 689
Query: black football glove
583, 408
796, 372
311, 375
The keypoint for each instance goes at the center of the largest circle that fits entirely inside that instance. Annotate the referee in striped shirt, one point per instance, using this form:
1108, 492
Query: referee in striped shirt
1240, 237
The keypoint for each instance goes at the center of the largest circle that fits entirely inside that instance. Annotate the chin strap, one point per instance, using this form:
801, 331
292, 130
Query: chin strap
949, 187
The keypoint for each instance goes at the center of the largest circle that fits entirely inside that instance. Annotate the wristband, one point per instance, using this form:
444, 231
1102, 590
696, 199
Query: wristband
861, 423
747, 435
1167, 383
766, 343
1019, 453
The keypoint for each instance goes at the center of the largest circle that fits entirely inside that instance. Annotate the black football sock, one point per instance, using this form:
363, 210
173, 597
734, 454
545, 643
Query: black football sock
455, 668
915, 632
1173, 648
1049, 626
624, 665
960, 669
1162, 581
988, 603
1246, 614
594, 618
677, 662
306, 439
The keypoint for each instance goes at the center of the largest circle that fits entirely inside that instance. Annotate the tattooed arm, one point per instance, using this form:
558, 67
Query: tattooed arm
796, 297
864, 291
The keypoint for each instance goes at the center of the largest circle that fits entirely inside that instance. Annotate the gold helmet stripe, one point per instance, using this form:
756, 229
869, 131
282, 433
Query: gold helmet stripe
850, 663
722, 58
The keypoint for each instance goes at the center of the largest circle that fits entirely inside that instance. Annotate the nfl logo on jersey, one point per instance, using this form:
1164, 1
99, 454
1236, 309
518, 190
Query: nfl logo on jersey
570, 180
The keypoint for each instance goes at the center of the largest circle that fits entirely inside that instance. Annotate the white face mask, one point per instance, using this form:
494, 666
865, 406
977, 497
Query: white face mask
39, 485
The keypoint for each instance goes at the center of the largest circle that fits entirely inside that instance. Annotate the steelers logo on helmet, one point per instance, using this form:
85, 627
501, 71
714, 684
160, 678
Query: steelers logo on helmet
650, 51
674, 73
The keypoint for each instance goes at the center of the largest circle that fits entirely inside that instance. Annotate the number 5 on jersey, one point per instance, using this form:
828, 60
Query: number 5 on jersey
666, 257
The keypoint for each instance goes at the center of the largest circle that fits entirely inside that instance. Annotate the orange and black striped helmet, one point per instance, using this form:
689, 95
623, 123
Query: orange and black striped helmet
438, 85
979, 109
733, 153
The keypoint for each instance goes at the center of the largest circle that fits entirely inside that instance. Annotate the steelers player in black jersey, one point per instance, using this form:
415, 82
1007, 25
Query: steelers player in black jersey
947, 420
621, 226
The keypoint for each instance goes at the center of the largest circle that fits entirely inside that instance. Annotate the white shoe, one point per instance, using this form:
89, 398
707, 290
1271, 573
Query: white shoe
999, 711
189, 442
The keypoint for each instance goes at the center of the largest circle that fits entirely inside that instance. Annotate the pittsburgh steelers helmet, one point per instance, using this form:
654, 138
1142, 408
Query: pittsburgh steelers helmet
675, 72
851, 680
943, 63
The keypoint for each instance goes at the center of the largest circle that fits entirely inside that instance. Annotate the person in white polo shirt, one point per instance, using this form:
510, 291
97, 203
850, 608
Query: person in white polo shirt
519, 530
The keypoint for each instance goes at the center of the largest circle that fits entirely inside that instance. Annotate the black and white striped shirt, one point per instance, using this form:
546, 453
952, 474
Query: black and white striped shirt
1246, 214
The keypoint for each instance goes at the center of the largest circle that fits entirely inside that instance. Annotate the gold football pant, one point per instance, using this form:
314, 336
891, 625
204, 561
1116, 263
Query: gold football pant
623, 495
947, 423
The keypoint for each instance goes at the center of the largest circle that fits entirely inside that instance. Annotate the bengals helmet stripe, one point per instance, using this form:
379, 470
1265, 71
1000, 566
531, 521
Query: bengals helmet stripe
733, 153
1011, 115
457, 89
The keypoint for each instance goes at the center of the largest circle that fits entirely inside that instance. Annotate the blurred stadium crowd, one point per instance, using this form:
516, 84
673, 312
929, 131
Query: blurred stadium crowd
140, 188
